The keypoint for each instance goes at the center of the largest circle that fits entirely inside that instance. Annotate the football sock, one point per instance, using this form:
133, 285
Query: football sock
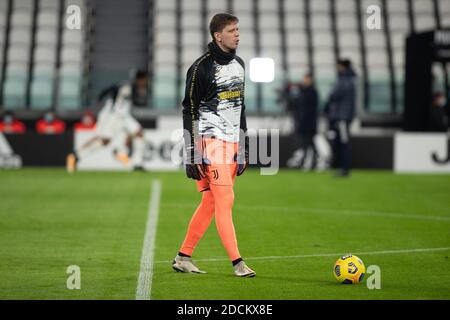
235, 262
138, 151
200, 221
223, 203
181, 254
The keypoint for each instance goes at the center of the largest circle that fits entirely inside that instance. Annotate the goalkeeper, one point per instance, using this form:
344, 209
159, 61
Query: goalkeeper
215, 135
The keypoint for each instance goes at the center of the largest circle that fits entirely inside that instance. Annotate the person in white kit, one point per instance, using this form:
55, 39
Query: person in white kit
113, 119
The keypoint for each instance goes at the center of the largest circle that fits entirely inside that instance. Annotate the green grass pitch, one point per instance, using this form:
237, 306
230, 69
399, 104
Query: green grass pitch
291, 228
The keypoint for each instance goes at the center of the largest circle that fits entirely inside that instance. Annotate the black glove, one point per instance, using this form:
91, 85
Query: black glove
194, 165
195, 171
243, 158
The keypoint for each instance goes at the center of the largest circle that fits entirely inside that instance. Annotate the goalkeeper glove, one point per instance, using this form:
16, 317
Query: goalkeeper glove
243, 158
194, 165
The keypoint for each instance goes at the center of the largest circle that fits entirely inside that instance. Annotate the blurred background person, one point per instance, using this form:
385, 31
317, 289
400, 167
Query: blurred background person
437, 118
50, 124
87, 122
340, 110
9, 124
114, 118
306, 116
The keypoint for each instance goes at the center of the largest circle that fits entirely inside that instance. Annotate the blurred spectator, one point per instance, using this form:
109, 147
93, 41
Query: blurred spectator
139, 89
50, 124
306, 118
9, 124
438, 119
87, 122
340, 110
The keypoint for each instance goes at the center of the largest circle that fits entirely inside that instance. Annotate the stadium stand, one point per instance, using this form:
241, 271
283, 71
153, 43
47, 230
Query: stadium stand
45, 65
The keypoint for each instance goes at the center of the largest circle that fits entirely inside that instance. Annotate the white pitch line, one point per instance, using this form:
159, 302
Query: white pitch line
326, 255
144, 287
394, 215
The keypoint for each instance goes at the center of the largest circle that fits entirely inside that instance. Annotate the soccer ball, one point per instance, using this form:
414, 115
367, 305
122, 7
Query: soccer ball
349, 269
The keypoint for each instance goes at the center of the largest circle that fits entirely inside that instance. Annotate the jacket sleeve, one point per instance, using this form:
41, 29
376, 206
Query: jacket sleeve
195, 90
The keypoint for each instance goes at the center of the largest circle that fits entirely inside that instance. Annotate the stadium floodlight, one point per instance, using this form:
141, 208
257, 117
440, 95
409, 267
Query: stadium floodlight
262, 70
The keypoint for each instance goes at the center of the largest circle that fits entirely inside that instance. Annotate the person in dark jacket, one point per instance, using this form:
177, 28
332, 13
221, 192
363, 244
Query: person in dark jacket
306, 118
340, 110
216, 141
437, 119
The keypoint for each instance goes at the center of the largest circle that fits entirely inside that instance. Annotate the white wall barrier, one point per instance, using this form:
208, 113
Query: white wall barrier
421, 152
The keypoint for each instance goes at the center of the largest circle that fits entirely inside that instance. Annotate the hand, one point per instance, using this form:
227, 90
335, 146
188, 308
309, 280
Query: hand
195, 171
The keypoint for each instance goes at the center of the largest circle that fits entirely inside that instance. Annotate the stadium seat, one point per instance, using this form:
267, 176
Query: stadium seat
46, 36
14, 93
425, 22
23, 4
3, 13
80, 3
398, 7
246, 39
190, 54
165, 5
44, 71
164, 20
72, 38
69, 93
21, 18
346, 22
216, 6
165, 38
191, 39
268, 6
320, 6
297, 56
41, 94
164, 91
49, 4
269, 21
191, 20
72, 54
46, 54
379, 89
20, 36
191, 6
2, 38
164, 56
18, 53
320, 21
349, 40
294, 21
250, 95
245, 22
293, 6
399, 23
270, 39
48, 19
240, 7
345, 8
322, 40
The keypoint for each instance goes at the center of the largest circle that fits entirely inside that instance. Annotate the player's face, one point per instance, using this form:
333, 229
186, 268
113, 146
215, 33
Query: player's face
229, 37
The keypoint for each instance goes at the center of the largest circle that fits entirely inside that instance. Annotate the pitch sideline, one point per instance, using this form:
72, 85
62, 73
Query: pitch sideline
144, 286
